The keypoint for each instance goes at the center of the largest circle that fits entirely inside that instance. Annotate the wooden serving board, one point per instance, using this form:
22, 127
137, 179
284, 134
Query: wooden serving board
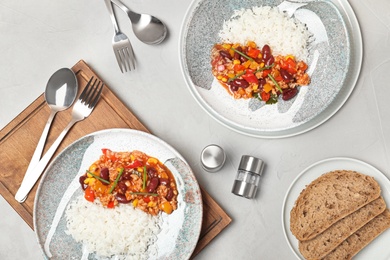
20, 137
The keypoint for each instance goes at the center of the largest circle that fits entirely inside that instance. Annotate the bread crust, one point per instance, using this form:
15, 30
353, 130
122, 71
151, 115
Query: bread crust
361, 238
323, 244
329, 198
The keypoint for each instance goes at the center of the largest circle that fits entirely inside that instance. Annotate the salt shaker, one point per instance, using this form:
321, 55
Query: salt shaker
212, 158
248, 176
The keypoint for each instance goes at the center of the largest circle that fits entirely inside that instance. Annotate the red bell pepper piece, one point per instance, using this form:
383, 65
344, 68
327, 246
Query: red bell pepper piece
133, 165
266, 72
250, 78
265, 96
111, 205
108, 154
238, 67
253, 53
89, 194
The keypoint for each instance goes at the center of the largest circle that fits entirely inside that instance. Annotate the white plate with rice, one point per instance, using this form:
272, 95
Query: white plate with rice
122, 232
325, 34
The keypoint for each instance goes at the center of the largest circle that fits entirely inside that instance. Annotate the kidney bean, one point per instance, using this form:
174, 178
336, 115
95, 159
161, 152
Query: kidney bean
225, 54
243, 59
152, 185
121, 198
285, 75
266, 51
269, 61
170, 194
233, 88
122, 186
237, 55
164, 181
81, 181
152, 172
125, 176
240, 83
262, 82
289, 93
104, 174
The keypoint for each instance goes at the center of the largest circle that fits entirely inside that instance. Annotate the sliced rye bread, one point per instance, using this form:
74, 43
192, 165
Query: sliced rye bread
361, 238
329, 198
328, 240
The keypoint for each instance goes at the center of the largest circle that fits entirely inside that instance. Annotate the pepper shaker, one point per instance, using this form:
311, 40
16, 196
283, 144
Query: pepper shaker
248, 176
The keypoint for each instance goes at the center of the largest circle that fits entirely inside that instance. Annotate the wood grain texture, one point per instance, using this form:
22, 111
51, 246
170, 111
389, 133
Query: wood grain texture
19, 138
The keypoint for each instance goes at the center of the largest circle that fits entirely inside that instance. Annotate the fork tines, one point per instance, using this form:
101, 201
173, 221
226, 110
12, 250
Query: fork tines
125, 58
91, 93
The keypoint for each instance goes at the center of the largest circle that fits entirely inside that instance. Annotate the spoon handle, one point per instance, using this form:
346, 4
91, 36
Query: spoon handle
41, 144
112, 15
134, 17
31, 178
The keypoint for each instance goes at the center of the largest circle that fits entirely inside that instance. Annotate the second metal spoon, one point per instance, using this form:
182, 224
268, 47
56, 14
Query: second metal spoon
147, 28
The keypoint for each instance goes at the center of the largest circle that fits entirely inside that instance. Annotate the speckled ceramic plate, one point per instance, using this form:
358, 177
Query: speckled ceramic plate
59, 185
335, 58
378, 249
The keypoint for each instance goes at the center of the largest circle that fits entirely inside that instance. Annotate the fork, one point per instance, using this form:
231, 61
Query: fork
121, 44
81, 110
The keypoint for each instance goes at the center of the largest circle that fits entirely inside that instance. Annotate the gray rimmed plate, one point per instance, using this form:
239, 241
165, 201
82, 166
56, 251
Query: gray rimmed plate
59, 185
335, 56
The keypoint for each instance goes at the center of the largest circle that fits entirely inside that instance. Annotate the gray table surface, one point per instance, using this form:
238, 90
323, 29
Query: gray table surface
39, 37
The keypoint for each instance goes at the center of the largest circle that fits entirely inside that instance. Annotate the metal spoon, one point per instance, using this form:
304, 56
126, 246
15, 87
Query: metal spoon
147, 28
60, 93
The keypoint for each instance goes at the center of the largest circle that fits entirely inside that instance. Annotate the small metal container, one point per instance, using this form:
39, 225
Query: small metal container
248, 176
212, 158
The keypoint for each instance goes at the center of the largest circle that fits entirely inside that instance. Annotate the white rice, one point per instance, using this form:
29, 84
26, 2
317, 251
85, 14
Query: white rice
267, 25
122, 231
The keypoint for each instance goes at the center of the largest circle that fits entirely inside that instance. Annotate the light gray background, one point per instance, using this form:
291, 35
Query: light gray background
39, 37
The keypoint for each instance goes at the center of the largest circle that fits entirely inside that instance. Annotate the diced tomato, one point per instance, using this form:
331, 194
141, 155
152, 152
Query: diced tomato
277, 76
147, 199
105, 151
134, 164
216, 61
109, 154
238, 67
266, 72
111, 205
250, 78
89, 194
253, 53
302, 65
291, 66
265, 96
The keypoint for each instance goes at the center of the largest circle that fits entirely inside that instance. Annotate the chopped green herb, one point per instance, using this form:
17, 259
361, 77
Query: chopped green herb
144, 193
116, 180
272, 100
97, 177
238, 75
276, 83
144, 179
265, 68
242, 54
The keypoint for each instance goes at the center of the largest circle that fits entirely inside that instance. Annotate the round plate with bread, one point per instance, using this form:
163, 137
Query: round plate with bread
337, 208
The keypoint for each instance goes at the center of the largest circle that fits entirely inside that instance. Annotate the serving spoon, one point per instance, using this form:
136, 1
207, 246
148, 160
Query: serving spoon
60, 93
147, 28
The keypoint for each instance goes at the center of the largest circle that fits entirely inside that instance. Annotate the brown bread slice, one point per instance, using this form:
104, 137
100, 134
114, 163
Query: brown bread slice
361, 238
328, 199
328, 240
